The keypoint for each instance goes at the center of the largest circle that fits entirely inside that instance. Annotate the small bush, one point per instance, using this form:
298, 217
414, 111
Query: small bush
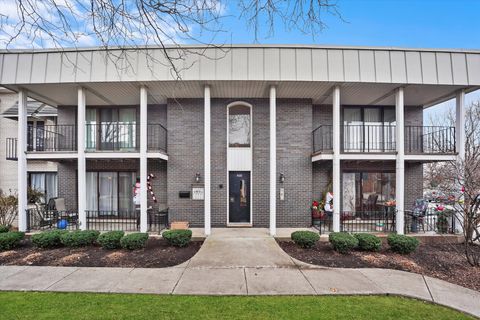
48, 239
402, 244
368, 242
342, 242
305, 239
134, 241
4, 228
10, 240
178, 238
79, 238
111, 240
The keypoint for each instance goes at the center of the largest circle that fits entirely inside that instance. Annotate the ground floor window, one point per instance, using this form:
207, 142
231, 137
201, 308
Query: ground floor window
45, 182
367, 191
110, 192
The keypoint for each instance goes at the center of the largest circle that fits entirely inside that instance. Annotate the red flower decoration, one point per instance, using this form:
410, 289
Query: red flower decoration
315, 203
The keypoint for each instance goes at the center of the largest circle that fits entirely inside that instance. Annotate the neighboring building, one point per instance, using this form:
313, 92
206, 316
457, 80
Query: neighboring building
42, 175
248, 137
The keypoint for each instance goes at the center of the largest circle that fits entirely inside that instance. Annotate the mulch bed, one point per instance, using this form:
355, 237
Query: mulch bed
157, 254
443, 261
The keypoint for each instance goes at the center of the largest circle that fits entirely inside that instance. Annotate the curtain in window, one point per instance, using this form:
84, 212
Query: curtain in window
37, 182
51, 185
91, 129
126, 182
349, 194
92, 191
107, 193
352, 130
373, 129
127, 128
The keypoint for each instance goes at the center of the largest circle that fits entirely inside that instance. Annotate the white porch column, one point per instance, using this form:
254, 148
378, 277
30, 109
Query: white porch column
400, 163
143, 159
273, 160
207, 132
336, 158
81, 162
460, 125
22, 160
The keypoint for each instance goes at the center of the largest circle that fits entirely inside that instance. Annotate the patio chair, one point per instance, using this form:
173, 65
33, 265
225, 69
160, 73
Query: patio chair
41, 217
371, 203
417, 214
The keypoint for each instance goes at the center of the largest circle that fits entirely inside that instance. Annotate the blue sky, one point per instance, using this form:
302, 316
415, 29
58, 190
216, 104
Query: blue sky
411, 23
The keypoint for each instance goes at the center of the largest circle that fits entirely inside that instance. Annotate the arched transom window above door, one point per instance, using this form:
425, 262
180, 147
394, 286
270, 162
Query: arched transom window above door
239, 126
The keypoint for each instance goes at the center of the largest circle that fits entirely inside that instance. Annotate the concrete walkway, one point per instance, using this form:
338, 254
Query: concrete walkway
241, 262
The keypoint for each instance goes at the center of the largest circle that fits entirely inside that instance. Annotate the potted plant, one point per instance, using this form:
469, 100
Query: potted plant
317, 212
442, 219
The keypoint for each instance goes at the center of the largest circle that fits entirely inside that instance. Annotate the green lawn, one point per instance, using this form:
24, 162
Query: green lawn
41, 305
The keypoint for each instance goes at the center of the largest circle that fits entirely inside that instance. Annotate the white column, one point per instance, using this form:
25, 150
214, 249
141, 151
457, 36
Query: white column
22, 160
460, 125
400, 166
143, 159
273, 160
336, 158
81, 162
207, 132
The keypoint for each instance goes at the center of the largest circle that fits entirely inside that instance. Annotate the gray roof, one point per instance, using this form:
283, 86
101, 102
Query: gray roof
273, 63
34, 109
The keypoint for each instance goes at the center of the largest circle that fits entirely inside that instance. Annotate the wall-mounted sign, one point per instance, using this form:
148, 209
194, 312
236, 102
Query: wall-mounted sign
198, 193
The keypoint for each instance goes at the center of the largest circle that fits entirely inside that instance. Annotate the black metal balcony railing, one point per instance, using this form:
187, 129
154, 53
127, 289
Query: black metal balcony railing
368, 138
51, 138
323, 138
112, 136
11, 149
368, 221
429, 139
156, 137
382, 138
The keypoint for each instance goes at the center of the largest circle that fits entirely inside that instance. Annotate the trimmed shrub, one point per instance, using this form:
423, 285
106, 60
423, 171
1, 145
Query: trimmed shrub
178, 238
134, 241
368, 242
79, 238
10, 240
342, 242
305, 239
4, 228
48, 239
402, 244
110, 240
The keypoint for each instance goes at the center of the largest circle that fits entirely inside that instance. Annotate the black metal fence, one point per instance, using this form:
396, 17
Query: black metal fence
429, 139
368, 138
157, 221
113, 220
433, 221
112, 136
40, 219
368, 221
325, 224
323, 138
156, 137
52, 138
11, 149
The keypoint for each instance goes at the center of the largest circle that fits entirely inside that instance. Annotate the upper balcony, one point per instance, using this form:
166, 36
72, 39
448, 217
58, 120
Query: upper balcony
106, 136
124, 137
369, 138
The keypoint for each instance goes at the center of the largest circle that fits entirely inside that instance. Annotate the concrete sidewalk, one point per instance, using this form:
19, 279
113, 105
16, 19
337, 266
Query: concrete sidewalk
241, 262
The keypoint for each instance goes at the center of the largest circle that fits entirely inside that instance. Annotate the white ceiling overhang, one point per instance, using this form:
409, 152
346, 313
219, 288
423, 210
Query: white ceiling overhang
128, 93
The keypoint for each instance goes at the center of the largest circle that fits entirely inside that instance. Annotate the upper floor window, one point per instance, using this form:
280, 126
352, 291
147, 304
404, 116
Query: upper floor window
239, 126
